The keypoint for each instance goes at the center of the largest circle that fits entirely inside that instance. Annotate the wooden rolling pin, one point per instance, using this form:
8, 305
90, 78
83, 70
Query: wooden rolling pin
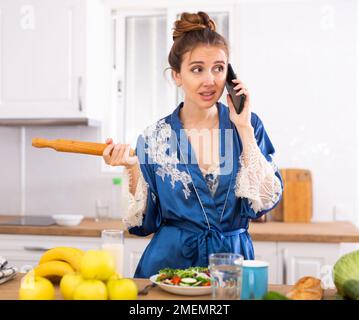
73, 146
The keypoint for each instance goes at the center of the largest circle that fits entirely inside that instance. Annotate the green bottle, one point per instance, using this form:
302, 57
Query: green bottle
116, 204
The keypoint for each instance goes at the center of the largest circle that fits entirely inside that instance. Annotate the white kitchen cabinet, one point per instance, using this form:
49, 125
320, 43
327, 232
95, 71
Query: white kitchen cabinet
134, 248
24, 251
288, 261
267, 251
52, 58
296, 260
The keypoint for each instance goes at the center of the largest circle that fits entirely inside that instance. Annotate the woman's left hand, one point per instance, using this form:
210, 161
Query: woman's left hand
242, 120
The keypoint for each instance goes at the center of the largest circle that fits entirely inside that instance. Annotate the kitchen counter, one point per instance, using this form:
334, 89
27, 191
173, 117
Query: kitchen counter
9, 291
334, 232
87, 228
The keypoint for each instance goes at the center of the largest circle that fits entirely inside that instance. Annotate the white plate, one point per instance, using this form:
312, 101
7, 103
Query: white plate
68, 219
181, 290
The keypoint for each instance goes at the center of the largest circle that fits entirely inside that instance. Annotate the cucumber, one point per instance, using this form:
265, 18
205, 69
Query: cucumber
188, 280
184, 284
351, 289
273, 295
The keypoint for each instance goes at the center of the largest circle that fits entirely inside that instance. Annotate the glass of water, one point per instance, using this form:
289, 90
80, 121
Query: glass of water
226, 275
102, 210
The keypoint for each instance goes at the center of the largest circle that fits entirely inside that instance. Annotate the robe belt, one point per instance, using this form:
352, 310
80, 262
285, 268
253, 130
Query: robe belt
203, 242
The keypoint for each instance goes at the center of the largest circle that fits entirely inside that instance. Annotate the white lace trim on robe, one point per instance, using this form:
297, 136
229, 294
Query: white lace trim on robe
257, 181
136, 204
211, 176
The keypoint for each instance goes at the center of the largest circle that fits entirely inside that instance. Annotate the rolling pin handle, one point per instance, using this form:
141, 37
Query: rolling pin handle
40, 143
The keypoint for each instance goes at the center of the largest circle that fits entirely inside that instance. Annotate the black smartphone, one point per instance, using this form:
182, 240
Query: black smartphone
238, 101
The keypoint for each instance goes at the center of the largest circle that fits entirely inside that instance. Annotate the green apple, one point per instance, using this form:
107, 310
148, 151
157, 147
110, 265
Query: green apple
36, 288
122, 289
90, 290
97, 264
68, 284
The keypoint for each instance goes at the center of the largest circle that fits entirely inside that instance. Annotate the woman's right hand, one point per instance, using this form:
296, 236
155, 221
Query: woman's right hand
120, 155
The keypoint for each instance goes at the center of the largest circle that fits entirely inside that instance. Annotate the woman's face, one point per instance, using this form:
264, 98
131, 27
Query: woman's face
202, 76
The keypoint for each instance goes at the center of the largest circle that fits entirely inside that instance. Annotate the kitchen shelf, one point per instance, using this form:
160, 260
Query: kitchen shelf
50, 122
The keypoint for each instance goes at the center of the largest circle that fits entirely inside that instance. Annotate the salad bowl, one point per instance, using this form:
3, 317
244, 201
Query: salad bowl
193, 284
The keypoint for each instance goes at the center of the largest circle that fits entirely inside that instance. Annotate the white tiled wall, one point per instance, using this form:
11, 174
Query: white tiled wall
9, 170
56, 182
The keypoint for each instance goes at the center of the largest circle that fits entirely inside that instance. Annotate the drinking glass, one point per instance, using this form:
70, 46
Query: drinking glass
226, 275
113, 242
102, 210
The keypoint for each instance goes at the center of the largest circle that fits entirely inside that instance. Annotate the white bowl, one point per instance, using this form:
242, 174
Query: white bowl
68, 219
185, 291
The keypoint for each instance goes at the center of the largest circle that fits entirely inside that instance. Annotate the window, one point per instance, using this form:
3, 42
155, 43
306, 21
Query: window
142, 89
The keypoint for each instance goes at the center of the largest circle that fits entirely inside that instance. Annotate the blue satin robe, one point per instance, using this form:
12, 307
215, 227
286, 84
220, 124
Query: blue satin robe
188, 227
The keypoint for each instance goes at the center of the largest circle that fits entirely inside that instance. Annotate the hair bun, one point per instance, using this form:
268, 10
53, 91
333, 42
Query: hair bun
191, 22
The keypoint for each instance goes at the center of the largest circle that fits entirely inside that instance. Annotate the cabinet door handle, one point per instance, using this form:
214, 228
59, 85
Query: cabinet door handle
284, 266
119, 87
79, 92
35, 248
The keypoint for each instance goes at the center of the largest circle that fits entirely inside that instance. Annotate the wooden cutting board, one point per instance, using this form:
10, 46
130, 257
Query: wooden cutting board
297, 200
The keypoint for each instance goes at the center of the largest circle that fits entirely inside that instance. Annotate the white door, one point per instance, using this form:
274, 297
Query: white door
307, 259
267, 251
40, 66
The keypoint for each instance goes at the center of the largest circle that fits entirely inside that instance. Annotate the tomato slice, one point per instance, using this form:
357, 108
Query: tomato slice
176, 280
206, 284
162, 276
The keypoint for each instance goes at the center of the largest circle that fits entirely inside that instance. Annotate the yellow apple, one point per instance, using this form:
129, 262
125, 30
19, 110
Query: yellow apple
36, 288
115, 276
122, 289
68, 284
97, 264
90, 290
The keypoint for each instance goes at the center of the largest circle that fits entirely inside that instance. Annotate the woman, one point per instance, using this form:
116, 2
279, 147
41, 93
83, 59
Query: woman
201, 173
